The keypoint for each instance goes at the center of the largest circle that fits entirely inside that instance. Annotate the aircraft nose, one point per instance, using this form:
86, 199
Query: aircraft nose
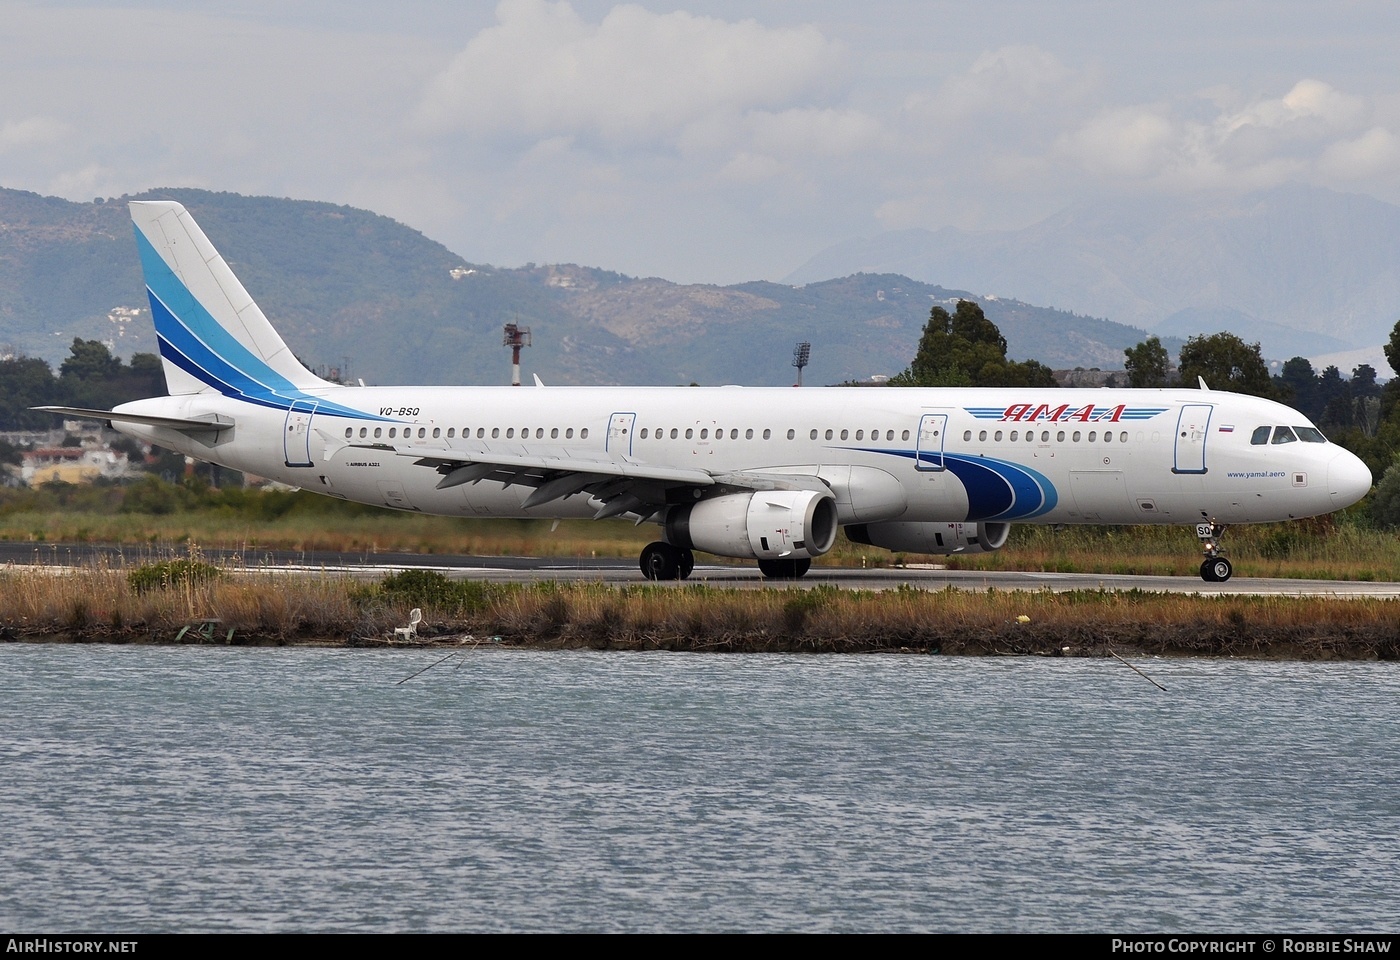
1348, 479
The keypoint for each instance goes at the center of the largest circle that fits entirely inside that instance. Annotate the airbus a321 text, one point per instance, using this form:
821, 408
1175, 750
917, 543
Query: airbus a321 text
763, 473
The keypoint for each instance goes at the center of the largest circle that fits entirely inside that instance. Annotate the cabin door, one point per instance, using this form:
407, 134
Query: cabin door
1192, 428
928, 451
296, 438
621, 427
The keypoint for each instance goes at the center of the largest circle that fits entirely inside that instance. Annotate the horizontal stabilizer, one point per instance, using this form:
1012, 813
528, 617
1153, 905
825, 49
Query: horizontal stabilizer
209, 423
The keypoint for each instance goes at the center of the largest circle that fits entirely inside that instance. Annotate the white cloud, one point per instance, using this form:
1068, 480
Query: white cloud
31, 132
1127, 142
1314, 132
635, 76
1373, 154
1011, 79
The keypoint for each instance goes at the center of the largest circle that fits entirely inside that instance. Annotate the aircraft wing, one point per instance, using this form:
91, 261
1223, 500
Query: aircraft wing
623, 486
211, 423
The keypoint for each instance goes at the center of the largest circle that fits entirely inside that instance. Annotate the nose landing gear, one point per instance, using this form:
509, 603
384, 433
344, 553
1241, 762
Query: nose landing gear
1214, 568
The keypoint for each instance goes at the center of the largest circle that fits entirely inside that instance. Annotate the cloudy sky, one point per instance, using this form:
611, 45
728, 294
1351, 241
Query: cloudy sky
697, 140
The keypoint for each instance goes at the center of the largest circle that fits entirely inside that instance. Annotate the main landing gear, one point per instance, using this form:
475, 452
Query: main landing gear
784, 569
1214, 568
664, 561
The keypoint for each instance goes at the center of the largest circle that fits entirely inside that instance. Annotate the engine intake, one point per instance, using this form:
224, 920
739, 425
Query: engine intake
933, 538
767, 524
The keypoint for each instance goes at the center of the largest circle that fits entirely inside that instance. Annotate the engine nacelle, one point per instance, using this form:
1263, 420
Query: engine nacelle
934, 538
767, 524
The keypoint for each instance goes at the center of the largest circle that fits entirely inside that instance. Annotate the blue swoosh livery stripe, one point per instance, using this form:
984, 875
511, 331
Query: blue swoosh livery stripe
996, 489
193, 340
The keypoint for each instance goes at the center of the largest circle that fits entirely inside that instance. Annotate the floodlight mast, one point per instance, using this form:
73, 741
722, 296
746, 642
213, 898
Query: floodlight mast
800, 355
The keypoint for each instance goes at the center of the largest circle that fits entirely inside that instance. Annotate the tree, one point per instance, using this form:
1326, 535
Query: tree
1226, 362
1297, 383
89, 360
1147, 364
964, 348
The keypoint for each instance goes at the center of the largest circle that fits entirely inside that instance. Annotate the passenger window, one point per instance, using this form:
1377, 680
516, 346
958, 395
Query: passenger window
377, 431
510, 433
967, 435
704, 434
481, 433
422, 432
982, 435
1060, 436
1093, 435
644, 433
690, 433
583, 434
1015, 435
554, 433
997, 436
814, 434
748, 434
393, 431
363, 431
1123, 437
860, 434
1284, 435
349, 431
1045, 436
1075, 438
904, 435
452, 432
792, 434
828, 434
673, 433
1259, 436
437, 432
768, 434
495, 432
845, 434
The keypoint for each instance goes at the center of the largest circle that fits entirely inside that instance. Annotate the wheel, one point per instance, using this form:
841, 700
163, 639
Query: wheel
784, 569
661, 561
686, 564
1216, 570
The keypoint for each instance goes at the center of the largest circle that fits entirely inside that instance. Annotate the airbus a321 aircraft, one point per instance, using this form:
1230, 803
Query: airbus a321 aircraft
759, 473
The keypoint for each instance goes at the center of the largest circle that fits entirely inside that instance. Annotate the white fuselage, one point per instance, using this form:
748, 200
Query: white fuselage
937, 454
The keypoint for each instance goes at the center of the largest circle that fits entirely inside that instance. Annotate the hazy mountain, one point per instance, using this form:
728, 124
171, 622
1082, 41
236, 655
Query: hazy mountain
349, 288
1301, 269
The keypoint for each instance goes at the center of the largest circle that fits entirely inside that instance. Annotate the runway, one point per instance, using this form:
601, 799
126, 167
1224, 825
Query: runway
618, 571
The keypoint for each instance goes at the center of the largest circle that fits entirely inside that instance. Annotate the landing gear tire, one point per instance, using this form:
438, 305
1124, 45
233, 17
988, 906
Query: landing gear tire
784, 569
1216, 569
662, 561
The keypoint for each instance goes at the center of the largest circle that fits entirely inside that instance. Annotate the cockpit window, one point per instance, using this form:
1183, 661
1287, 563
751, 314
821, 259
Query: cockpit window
1310, 435
1284, 435
1260, 435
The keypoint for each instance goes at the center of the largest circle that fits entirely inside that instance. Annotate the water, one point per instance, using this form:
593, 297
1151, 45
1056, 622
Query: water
154, 789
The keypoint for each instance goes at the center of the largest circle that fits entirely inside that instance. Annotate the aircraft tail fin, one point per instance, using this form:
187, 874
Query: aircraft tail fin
212, 335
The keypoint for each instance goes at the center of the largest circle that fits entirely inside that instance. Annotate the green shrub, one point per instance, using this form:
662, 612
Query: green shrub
171, 573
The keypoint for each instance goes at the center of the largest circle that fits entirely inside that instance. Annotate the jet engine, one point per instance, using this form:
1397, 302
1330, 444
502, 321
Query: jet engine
934, 538
767, 524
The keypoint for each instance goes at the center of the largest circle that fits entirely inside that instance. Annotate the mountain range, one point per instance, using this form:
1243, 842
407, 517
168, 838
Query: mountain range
1303, 270
375, 299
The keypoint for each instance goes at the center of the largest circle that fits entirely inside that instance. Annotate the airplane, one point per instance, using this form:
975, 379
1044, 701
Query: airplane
765, 474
